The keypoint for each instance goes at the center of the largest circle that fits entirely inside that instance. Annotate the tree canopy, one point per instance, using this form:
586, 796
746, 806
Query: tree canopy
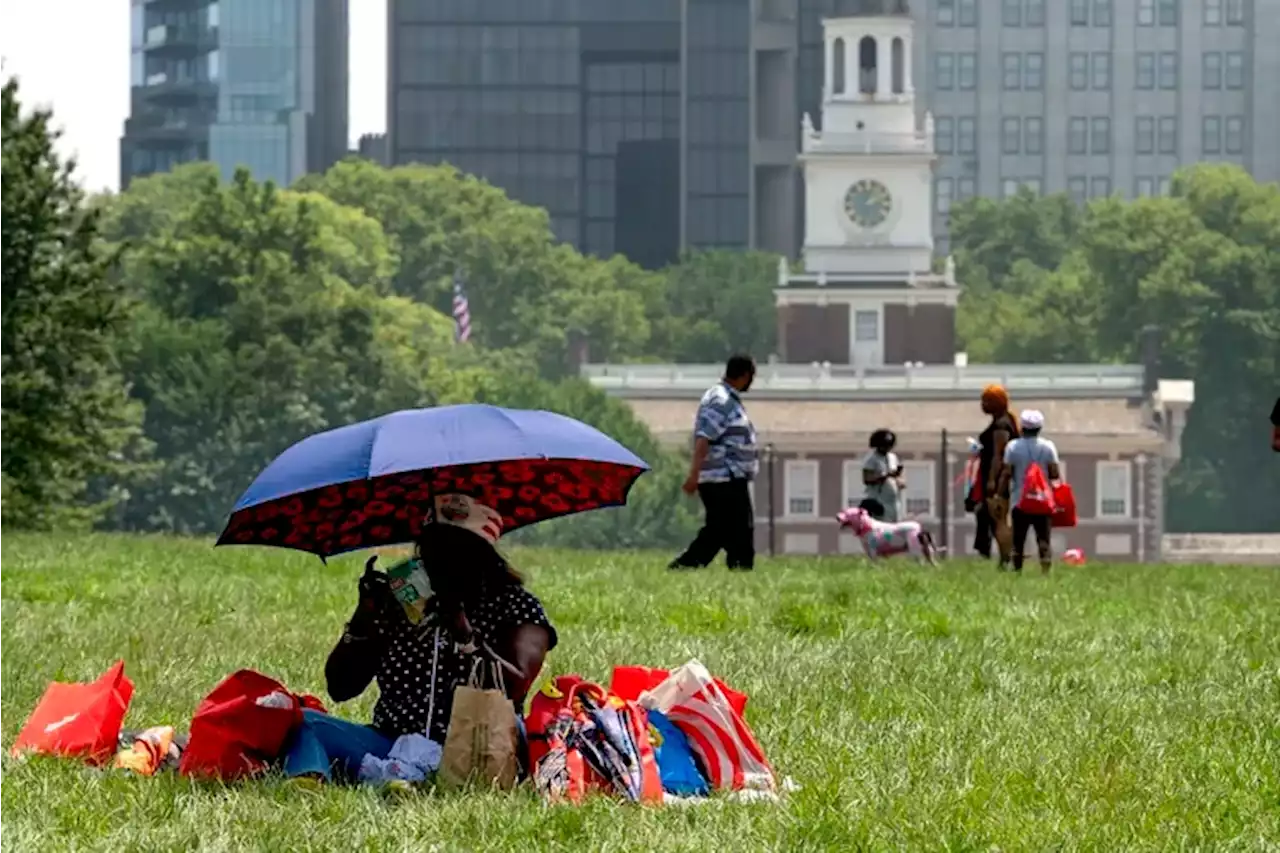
67, 415
1046, 282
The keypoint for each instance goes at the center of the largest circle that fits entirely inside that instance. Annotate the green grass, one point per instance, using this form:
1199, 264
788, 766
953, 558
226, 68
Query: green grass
1107, 708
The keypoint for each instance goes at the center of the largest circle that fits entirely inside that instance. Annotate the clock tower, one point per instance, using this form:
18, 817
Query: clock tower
866, 295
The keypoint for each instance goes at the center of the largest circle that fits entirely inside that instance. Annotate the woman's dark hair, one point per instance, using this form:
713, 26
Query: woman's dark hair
883, 439
459, 557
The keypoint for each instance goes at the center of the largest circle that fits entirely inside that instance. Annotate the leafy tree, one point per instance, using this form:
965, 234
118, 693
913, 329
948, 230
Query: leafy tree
263, 321
525, 290
67, 416
1202, 264
717, 302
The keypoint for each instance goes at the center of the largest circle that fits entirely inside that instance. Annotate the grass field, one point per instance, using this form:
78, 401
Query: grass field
1107, 708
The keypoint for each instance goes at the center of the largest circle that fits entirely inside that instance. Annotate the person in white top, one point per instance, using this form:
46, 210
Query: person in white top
1019, 455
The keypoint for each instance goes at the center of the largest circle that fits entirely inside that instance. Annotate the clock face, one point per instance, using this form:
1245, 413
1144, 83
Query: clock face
867, 203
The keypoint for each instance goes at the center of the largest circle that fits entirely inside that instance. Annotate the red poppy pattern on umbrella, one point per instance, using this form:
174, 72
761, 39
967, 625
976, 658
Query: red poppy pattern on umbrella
389, 510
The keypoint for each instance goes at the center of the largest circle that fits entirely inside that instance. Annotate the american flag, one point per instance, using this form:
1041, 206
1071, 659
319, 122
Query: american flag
461, 311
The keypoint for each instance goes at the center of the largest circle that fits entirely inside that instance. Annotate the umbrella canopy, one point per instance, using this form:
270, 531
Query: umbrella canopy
373, 483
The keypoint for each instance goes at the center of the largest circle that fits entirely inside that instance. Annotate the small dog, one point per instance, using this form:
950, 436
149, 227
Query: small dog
881, 539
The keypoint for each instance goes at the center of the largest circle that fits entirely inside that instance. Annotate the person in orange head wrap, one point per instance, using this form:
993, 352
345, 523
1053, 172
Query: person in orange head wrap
1002, 429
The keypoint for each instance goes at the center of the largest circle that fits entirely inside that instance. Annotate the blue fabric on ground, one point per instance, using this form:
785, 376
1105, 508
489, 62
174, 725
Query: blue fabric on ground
323, 742
676, 765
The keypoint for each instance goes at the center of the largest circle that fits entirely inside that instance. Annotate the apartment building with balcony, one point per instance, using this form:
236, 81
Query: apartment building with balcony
255, 83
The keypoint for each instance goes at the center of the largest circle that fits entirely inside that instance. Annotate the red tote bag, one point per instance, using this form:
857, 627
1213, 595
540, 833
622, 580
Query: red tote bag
242, 726
1064, 506
79, 720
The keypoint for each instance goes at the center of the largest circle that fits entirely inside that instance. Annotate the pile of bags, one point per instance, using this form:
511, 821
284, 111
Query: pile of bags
238, 730
651, 735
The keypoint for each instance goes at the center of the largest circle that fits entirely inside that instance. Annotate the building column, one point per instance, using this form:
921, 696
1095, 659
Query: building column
884, 66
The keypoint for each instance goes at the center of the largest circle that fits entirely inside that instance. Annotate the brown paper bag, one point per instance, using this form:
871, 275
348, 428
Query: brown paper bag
482, 740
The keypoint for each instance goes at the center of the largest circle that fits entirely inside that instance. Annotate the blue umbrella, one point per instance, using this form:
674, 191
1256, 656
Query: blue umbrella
372, 483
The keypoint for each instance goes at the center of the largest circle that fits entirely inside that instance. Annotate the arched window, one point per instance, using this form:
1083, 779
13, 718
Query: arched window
867, 65
837, 67
899, 66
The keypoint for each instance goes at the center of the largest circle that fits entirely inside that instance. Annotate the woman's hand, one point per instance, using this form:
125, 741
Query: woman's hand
374, 600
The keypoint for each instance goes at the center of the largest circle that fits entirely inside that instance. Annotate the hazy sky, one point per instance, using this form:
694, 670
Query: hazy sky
73, 55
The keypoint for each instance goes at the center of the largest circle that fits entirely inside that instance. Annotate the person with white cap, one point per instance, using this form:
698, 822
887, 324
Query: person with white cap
1020, 456
476, 607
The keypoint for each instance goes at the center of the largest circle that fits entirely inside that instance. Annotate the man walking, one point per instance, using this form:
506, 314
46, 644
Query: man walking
724, 464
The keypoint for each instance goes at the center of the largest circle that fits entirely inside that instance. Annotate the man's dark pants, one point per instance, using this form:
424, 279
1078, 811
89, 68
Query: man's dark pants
730, 524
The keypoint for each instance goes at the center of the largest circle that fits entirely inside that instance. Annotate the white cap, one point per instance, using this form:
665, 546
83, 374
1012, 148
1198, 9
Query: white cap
468, 513
1032, 419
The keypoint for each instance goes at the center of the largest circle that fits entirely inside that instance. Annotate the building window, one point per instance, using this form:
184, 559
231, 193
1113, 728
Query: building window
1033, 184
868, 66
1168, 13
1009, 187
966, 136
1146, 73
800, 484
866, 327
1080, 13
1078, 135
1115, 487
1099, 187
1100, 136
1235, 70
1078, 70
1144, 187
1012, 64
1213, 13
1011, 135
1211, 135
1211, 70
1033, 72
837, 67
851, 483
1102, 71
944, 71
1144, 141
1168, 135
968, 16
1078, 189
1233, 135
966, 188
967, 75
1146, 13
946, 13
944, 135
1168, 70
1035, 13
1165, 185
921, 488
897, 66
942, 194
1011, 13
1033, 136
1102, 13
1235, 13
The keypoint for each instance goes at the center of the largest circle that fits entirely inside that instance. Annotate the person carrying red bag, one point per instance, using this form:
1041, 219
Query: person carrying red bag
1031, 463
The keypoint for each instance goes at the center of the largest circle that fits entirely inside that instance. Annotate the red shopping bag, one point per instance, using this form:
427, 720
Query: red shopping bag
719, 737
1037, 498
242, 726
630, 681
1064, 506
79, 720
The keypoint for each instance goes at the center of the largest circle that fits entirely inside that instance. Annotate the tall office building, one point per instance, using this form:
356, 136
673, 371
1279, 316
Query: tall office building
646, 127
255, 83
1094, 97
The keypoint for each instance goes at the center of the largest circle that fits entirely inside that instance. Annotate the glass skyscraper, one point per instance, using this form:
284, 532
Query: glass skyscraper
254, 83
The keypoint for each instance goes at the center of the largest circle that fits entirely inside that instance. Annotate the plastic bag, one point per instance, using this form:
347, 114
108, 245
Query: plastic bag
78, 720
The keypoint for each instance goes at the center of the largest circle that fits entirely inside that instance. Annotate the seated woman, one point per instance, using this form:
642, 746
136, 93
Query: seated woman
478, 607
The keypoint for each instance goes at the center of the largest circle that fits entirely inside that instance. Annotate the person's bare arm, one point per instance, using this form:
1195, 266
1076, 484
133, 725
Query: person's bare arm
1002, 484
997, 476
1055, 473
526, 650
352, 665
701, 447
